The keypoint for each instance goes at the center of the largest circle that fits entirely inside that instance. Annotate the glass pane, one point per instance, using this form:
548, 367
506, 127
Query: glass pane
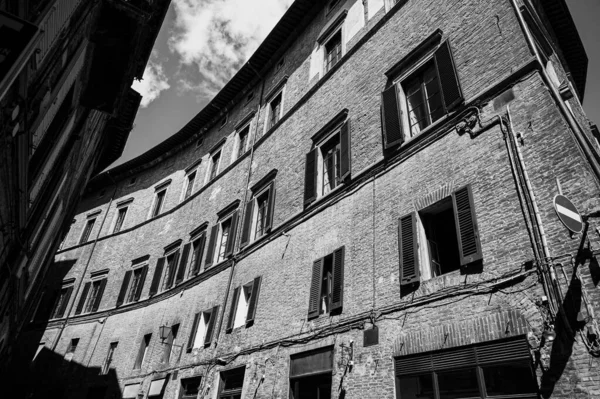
416, 387
458, 384
508, 379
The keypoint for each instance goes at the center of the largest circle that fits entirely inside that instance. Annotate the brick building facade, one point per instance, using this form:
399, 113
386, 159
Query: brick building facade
365, 210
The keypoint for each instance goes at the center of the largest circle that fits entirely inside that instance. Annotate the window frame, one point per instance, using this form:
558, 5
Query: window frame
196, 252
278, 93
90, 221
223, 375
186, 187
62, 301
239, 151
127, 288
212, 172
156, 211
251, 211
121, 207
336, 293
326, 41
183, 384
134, 284
169, 345
251, 305
167, 272
219, 244
109, 357
95, 293
207, 319
142, 351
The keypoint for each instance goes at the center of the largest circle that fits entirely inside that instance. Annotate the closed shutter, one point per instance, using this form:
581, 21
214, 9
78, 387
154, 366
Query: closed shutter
315, 289
96, 304
310, 177
408, 248
210, 251
345, 154
337, 294
190, 344
182, 263
270, 207
247, 223
211, 325
199, 253
82, 299
140, 287
233, 309
253, 301
444, 63
467, 233
61, 311
123, 290
391, 116
157, 275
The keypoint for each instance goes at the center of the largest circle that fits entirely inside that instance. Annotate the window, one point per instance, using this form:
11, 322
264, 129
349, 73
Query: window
327, 285
142, 352
223, 122
132, 181
71, 349
91, 296
87, 230
169, 274
311, 374
243, 305
121, 212
250, 97
191, 177
109, 358
243, 140
132, 286
157, 388
159, 199
419, 97
197, 248
62, 301
168, 344
328, 163
130, 391
190, 387
214, 165
202, 329
167, 267
258, 216
439, 239
280, 64
503, 368
222, 239
333, 50
231, 384
275, 110
200, 142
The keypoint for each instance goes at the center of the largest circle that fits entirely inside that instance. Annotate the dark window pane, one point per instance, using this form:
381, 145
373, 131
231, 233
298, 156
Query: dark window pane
508, 379
416, 387
458, 384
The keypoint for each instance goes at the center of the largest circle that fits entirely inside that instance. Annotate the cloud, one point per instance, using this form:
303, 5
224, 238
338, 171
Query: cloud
213, 38
153, 82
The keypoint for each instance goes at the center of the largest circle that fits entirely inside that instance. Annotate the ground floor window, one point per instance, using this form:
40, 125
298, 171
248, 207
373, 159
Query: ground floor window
232, 382
311, 374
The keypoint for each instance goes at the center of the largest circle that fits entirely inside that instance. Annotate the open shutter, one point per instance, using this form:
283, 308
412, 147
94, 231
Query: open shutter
182, 263
270, 207
345, 145
444, 63
211, 325
310, 177
391, 117
199, 252
140, 287
233, 309
82, 299
157, 275
172, 270
469, 246
247, 223
210, 251
408, 248
190, 344
315, 289
60, 312
123, 290
337, 294
253, 301
96, 304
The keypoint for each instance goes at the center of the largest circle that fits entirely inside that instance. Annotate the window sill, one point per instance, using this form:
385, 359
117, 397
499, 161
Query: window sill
425, 131
329, 194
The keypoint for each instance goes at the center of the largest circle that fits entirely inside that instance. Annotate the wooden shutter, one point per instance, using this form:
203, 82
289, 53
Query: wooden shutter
123, 290
253, 301
140, 355
444, 62
233, 309
61, 311
391, 117
82, 299
190, 344
337, 294
270, 207
315, 289
210, 251
247, 223
310, 177
96, 304
469, 246
408, 248
157, 275
345, 154
182, 263
211, 325
199, 251
232, 235
140, 287
172, 270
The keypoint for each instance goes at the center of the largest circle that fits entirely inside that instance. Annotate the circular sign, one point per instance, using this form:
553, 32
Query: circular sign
568, 214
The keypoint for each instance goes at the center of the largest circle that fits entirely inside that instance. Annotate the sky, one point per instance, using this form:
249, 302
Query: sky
202, 43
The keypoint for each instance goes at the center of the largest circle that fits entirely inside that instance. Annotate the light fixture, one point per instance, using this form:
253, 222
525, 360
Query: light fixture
164, 332
548, 335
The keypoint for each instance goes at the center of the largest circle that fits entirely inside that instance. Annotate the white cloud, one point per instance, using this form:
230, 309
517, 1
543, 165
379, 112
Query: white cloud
216, 37
153, 82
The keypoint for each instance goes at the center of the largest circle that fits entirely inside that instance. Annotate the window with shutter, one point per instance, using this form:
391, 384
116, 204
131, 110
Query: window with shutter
142, 352
170, 269
62, 301
197, 250
87, 231
121, 213
133, 287
258, 214
222, 239
327, 284
159, 199
157, 275
243, 305
199, 330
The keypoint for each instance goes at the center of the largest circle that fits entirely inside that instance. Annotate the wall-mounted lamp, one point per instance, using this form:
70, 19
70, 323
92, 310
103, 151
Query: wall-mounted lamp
548, 335
164, 332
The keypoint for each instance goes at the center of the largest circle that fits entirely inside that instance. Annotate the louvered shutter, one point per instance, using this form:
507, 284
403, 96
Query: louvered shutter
96, 304
391, 116
124, 286
47, 306
157, 275
210, 251
408, 248
253, 301
60, 312
172, 270
345, 154
247, 223
444, 62
140, 287
199, 251
315, 289
190, 344
467, 233
82, 299
233, 309
182, 263
337, 294
232, 235
211, 325
310, 177
270, 207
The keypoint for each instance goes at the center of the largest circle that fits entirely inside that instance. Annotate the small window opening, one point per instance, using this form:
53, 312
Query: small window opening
330, 154
200, 142
215, 165
250, 97
262, 203
223, 122
243, 141
132, 181
326, 285
224, 237
440, 231
190, 387
101, 193
333, 51
275, 110
279, 64
232, 382
190, 185
160, 197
